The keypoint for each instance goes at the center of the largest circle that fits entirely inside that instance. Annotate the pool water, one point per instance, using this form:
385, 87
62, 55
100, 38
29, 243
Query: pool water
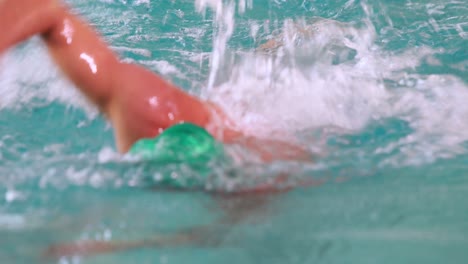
376, 90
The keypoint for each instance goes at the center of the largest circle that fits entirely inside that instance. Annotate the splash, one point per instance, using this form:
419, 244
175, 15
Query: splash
317, 73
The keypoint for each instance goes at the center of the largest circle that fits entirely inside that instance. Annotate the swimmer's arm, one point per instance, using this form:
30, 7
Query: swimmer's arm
136, 101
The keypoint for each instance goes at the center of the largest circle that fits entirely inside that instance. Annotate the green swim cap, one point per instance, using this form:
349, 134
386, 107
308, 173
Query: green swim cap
183, 144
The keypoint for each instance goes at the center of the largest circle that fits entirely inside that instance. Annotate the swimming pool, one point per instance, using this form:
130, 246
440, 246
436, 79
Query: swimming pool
377, 91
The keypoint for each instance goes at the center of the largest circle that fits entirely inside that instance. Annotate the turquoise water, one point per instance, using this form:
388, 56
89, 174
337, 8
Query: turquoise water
377, 92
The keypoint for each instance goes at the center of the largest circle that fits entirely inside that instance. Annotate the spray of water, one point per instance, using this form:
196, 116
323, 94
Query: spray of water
320, 73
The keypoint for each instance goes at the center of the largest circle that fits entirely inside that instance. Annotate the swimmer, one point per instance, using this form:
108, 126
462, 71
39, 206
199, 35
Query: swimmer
138, 103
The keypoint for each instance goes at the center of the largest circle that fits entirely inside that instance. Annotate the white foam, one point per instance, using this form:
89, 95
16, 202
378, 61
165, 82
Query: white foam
327, 73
